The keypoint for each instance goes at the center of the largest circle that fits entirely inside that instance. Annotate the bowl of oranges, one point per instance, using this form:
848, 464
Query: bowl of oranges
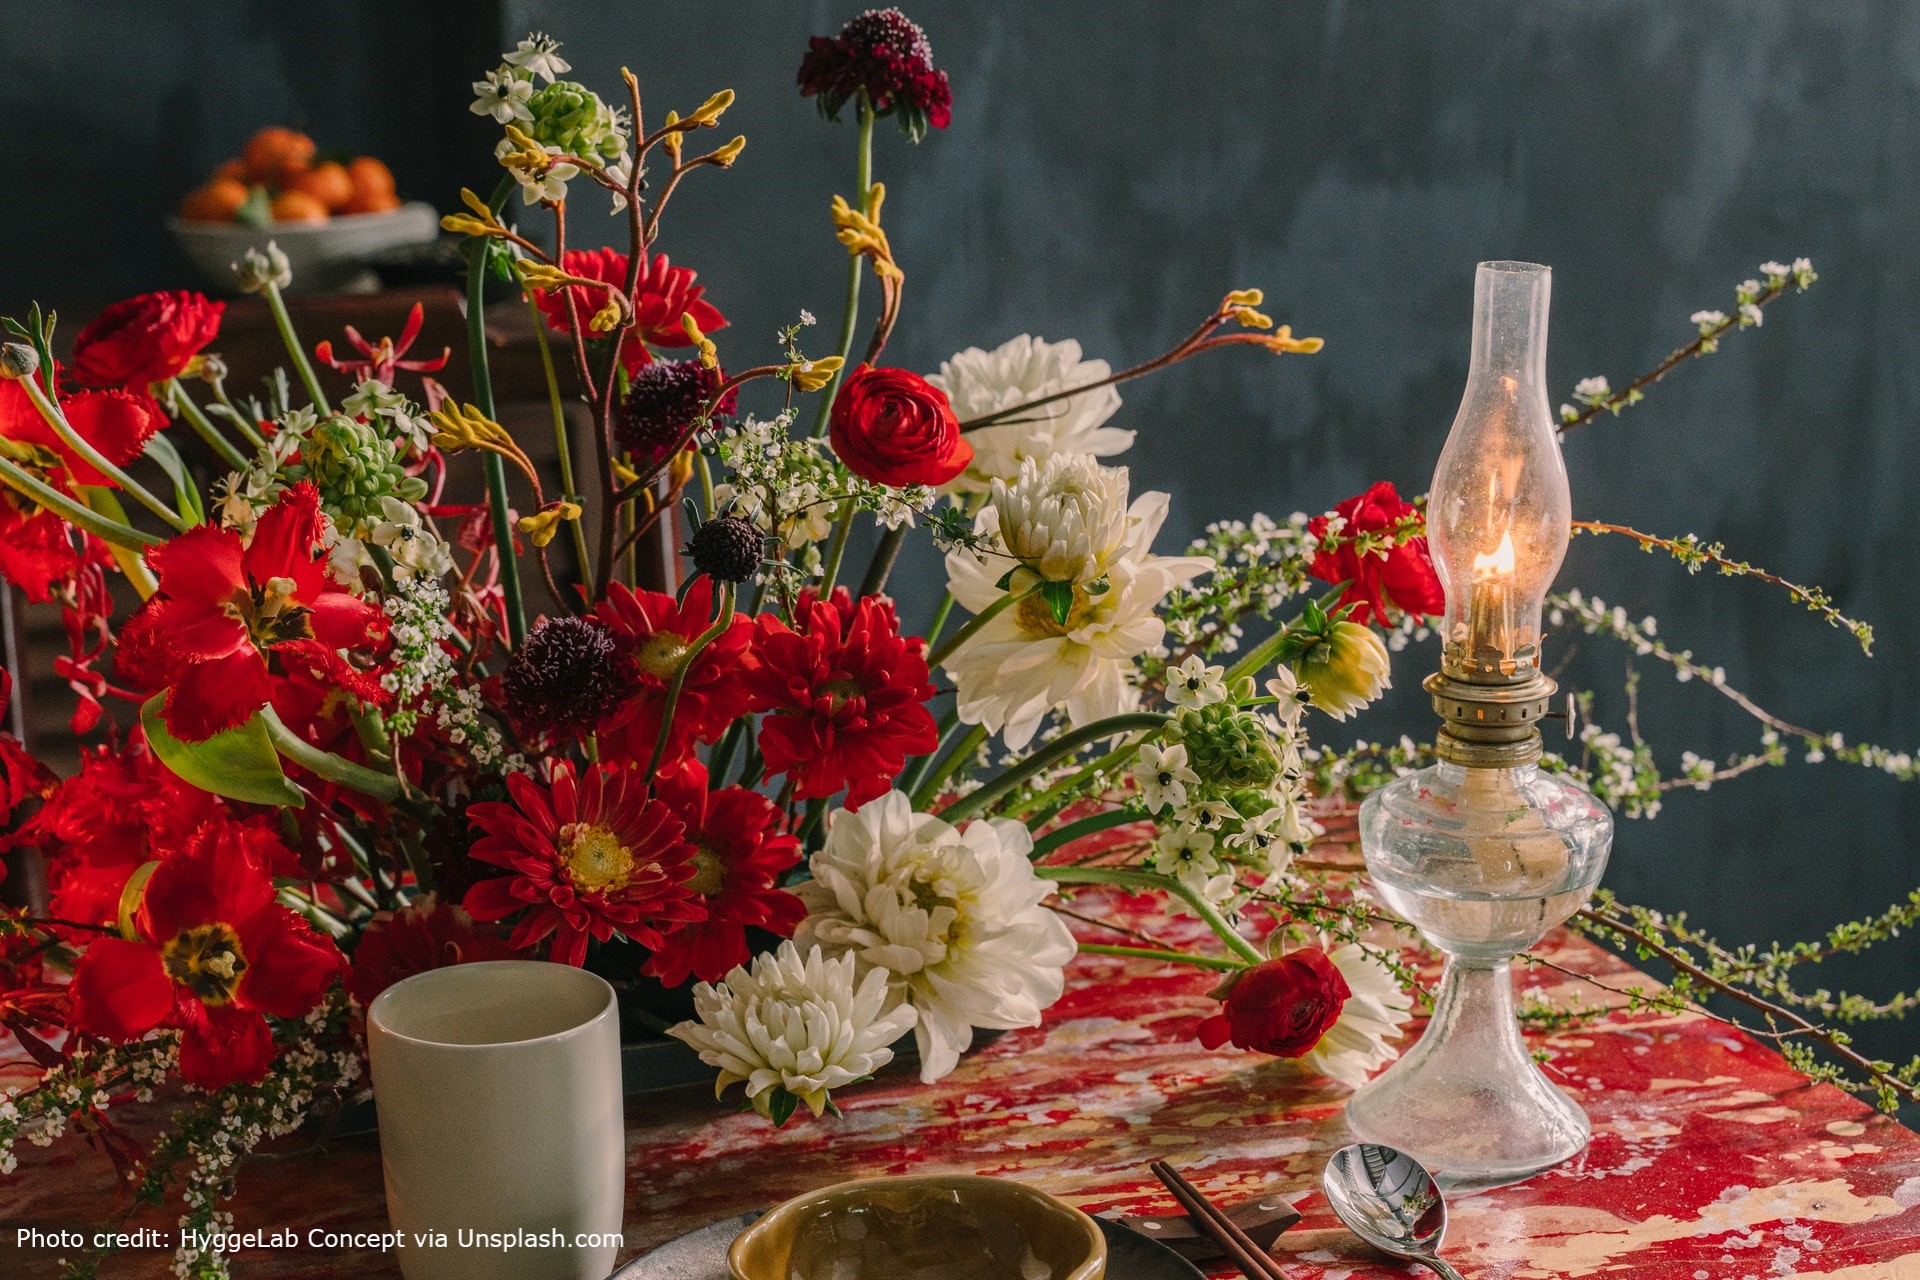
330, 216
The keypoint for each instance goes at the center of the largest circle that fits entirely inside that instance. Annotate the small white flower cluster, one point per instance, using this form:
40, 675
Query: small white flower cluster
788, 485
422, 673
1620, 774
566, 118
1260, 564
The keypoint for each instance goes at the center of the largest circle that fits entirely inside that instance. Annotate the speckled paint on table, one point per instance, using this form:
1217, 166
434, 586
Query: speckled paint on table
1711, 1160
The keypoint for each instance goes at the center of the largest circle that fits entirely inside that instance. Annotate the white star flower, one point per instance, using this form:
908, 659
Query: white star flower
954, 916
1291, 698
1023, 369
502, 95
1163, 776
794, 1023
1195, 684
537, 55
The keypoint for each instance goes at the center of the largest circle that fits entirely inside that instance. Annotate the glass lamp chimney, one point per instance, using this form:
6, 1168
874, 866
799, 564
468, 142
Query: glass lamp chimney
1499, 514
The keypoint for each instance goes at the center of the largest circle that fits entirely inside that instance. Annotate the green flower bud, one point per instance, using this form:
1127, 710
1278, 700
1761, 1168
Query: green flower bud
1345, 665
1229, 748
570, 116
256, 269
18, 360
354, 467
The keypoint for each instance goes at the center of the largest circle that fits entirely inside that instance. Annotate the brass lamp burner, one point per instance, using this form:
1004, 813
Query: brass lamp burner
1490, 720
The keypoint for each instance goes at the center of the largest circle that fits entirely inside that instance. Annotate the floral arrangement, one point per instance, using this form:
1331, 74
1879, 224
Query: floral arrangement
352, 751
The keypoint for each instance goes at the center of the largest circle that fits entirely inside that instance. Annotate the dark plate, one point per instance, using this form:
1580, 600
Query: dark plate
702, 1255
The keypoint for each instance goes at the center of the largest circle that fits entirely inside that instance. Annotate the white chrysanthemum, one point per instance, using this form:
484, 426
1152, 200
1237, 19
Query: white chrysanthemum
1023, 664
1362, 1038
1024, 369
793, 1023
1195, 684
1065, 518
954, 916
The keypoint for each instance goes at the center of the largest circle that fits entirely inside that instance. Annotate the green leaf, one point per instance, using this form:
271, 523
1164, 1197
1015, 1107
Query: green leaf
1006, 579
1059, 598
239, 764
186, 497
781, 1106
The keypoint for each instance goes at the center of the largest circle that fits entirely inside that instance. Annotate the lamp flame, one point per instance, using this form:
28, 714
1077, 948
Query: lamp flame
1499, 564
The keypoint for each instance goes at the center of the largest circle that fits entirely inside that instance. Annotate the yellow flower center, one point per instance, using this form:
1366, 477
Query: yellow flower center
595, 859
1036, 615
206, 960
270, 613
709, 873
843, 691
660, 654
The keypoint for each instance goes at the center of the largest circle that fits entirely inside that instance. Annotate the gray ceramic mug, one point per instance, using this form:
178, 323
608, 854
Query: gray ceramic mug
501, 1129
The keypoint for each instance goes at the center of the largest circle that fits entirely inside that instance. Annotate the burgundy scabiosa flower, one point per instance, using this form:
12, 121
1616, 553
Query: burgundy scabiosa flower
568, 674
663, 399
885, 54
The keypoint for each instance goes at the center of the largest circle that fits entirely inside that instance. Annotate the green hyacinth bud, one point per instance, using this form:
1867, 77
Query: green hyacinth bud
354, 466
570, 116
1229, 748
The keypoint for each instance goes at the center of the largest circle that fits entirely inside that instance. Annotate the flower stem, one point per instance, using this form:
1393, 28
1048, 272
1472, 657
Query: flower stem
707, 637
1062, 836
1050, 801
1149, 882
492, 464
1061, 748
850, 319
203, 426
962, 751
880, 568
562, 443
17, 478
325, 763
1219, 964
837, 549
50, 411
975, 625
284, 323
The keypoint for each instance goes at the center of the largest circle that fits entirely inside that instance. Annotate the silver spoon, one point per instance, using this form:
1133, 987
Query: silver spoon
1387, 1199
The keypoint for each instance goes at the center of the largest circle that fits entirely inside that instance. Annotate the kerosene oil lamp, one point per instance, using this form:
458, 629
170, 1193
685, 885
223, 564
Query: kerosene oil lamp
1483, 852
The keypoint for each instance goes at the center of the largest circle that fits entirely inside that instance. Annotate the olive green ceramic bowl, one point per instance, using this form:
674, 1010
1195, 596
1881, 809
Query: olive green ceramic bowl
905, 1214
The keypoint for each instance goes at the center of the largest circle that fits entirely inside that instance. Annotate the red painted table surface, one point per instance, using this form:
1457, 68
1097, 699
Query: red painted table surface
1710, 1158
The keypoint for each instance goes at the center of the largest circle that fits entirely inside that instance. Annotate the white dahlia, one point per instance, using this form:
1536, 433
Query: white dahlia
794, 1024
1023, 663
1023, 369
1065, 518
1361, 1039
952, 915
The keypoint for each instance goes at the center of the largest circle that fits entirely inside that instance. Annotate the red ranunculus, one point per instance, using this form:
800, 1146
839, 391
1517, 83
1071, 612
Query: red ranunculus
224, 606
847, 695
144, 340
1400, 575
739, 851
656, 631
212, 954
589, 857
1281, 1007
427, 933
663, 294
896, 428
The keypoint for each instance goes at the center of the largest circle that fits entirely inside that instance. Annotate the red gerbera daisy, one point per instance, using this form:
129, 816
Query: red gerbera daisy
213, 954
427, 933
224, 605
590, 857
739, 852
663, 294
657, 631
847, 693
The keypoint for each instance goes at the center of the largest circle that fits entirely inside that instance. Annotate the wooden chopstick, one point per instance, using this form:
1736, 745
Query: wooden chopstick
1253, 1261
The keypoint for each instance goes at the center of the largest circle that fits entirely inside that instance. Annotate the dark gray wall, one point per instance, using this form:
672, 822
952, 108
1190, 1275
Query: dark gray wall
1112, 167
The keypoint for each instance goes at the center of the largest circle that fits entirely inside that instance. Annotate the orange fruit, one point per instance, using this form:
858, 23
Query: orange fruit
298, 206
372, 202
214, 202
275, 154
235, 169
328, 183
370, 177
